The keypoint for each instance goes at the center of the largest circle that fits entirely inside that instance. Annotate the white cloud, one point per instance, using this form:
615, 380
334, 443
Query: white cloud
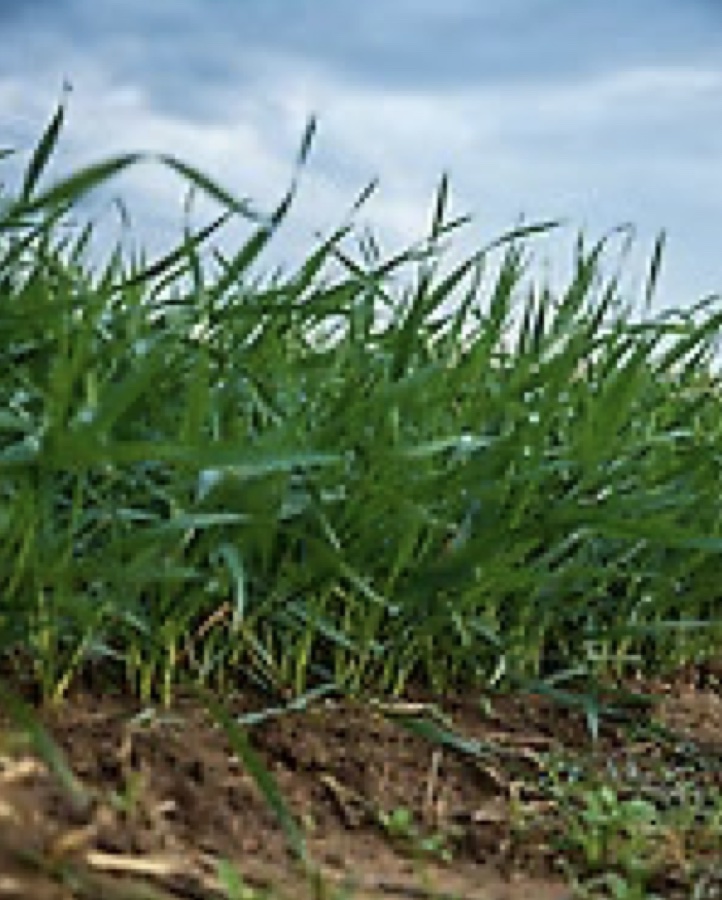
628, 140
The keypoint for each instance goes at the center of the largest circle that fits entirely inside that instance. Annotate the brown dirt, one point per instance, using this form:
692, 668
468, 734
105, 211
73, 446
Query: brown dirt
165, 799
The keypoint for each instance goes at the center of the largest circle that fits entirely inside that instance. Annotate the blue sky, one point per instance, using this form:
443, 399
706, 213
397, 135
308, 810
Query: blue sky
597, 113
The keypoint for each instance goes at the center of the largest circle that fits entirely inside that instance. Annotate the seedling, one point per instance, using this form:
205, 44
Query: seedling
400, 825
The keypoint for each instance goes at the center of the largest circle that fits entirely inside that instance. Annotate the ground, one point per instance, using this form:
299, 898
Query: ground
482, 806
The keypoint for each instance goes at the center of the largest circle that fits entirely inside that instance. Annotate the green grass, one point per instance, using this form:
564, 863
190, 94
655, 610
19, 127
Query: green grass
365, 471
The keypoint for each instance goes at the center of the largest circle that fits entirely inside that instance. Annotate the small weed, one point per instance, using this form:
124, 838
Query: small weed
609, 831
400, 826
621, 846
612, 886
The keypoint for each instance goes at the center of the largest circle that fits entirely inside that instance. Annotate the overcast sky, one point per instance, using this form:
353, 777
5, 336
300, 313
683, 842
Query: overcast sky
599, 113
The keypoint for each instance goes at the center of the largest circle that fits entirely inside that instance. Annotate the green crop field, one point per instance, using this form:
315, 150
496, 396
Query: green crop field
369, 472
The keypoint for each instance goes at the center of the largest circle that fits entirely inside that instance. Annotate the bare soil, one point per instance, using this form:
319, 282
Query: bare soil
160, 798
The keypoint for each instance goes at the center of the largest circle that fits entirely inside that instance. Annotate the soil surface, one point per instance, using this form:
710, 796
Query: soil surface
154, 800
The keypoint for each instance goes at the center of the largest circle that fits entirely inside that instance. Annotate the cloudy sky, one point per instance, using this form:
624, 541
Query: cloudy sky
596, 113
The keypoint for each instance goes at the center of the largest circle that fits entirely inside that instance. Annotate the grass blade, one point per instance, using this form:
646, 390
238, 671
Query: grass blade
42, 154
45, 747
241, 746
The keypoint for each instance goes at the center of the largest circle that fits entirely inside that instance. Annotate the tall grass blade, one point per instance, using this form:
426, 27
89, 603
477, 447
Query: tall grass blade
241, 207
241, 746
655, 268
75, 187
42, 154
46, 748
